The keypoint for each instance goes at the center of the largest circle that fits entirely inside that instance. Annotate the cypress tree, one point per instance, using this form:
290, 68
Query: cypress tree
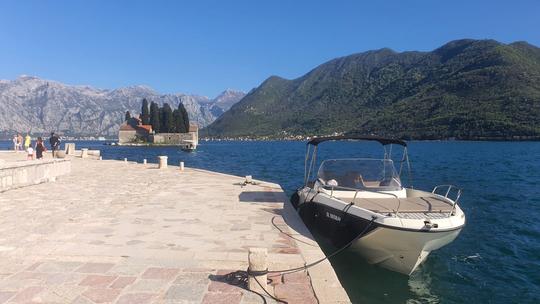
167, 123
127, 117
160, 125
154, 117
145, 115
178, 121
185, 118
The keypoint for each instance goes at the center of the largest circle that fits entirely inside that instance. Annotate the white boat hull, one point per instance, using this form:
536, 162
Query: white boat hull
395, 243
400, 250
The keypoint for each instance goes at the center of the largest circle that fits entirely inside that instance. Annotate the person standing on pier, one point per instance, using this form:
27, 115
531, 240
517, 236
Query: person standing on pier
55, 143
30, 153
27, 141
40, 148
15, 148
20, 141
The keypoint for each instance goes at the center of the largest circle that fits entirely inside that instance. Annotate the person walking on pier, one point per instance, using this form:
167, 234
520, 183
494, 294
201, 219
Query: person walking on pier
40, 148
55, 143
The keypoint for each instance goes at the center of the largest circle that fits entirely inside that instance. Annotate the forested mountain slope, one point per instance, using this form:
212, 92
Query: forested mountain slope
464, 89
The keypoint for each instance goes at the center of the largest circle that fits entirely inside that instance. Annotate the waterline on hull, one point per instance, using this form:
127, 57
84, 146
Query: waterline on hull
399, 250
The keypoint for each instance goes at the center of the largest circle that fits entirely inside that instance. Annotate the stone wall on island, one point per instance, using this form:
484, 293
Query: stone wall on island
127, 136
138, 134
173, 138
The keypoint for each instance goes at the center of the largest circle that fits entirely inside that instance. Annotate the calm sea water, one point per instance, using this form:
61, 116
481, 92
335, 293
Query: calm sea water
496, 258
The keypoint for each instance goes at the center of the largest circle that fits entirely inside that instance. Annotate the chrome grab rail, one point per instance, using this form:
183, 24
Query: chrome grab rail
358, 190
449, 188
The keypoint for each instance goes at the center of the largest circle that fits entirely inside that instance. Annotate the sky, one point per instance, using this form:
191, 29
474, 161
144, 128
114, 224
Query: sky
203, 47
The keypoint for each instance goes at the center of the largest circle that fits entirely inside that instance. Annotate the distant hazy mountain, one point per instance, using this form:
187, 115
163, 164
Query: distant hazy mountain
464, 89
40, 106
225, 101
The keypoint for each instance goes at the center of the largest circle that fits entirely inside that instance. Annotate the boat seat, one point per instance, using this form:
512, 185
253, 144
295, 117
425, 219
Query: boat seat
427, 204
371, 184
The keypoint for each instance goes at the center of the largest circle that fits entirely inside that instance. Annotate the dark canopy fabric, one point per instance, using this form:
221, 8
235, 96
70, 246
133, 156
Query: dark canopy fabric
384, 141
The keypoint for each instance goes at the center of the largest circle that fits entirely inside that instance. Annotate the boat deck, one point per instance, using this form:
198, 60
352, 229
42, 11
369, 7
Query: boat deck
423, 205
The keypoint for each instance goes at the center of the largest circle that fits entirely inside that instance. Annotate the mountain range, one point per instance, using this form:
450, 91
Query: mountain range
465, 89
31, 104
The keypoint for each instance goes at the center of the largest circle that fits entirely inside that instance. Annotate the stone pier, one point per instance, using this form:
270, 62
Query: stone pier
111, 232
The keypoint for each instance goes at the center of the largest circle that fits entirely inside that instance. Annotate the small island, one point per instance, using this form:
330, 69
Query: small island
157, 125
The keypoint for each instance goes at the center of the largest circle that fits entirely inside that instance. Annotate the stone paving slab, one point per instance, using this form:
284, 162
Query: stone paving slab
115, 232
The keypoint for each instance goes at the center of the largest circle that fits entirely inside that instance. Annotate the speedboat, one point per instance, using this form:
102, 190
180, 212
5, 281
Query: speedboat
361, 203
188, 148
189, 145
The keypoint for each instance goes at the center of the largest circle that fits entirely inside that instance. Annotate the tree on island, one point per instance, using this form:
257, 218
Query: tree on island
127, 117
167, 120
154, 117
145, 115
164, 119
185, 118
178, 121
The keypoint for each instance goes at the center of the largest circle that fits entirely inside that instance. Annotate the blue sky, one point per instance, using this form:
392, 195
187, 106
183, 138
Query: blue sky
204, 47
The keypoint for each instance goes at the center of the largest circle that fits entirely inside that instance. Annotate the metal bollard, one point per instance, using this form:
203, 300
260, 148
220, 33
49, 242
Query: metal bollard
144, 161
101, 158
181, 166
257, 260
125, 160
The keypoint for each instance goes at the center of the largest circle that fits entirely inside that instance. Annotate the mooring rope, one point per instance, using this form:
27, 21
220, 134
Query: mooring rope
254, 273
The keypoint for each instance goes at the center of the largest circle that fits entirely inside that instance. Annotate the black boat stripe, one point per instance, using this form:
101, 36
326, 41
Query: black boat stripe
391, 227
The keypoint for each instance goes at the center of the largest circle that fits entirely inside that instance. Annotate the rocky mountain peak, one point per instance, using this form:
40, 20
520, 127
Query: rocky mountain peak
30, 103
225, 101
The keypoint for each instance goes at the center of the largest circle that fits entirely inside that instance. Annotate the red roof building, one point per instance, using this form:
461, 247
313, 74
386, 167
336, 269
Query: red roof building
148, 128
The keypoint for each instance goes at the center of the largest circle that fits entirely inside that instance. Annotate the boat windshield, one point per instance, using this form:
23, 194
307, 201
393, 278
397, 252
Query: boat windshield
370, 174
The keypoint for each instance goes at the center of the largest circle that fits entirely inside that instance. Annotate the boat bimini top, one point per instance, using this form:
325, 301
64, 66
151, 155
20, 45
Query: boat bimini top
384, 141
359, 173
